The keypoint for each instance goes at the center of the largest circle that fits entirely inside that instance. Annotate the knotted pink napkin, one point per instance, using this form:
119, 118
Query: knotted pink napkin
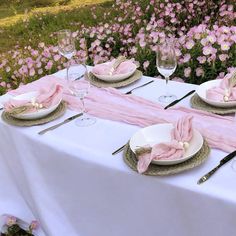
222, 93
47, 97
123, 68
181, 135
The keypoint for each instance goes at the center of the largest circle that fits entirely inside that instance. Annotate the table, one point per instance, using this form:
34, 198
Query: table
73, 185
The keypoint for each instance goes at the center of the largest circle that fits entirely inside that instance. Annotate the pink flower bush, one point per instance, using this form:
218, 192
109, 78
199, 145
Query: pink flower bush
14, 226
203, 32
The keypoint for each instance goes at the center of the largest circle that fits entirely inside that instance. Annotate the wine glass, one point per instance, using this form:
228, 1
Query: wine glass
66, 46
166, 64
78, 86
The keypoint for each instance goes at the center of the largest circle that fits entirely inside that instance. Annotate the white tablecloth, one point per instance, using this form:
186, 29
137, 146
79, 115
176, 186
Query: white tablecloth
74, 186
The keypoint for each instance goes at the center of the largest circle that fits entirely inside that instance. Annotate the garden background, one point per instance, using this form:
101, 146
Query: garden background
204, 33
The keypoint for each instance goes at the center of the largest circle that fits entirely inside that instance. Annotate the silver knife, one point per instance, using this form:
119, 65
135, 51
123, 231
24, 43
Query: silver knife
61, 123
222, 162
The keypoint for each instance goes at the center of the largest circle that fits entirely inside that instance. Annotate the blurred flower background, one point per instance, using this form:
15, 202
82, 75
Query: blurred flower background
204, 34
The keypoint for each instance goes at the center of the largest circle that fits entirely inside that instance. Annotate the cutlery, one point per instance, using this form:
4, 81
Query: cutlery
118, 150
130, 91
222, 162
80, 77
61, 123
178, 100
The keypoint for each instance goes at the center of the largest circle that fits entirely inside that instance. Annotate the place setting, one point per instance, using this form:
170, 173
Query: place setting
216, 96
49, 100
34, 107
117, 73
166, 149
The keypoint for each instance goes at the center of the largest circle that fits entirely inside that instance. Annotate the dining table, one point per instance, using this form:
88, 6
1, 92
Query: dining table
71, 183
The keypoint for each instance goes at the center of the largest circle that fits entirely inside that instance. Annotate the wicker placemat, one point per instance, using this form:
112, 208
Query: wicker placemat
100, 83
52, 116
198, 103
161, 170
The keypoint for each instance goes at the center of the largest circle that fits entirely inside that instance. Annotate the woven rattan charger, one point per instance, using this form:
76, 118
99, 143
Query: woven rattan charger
162, 170
116, 84
198, 103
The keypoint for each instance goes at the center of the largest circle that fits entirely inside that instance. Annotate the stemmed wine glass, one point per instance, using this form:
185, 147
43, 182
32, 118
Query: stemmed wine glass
66, 46
78, 86
166, 64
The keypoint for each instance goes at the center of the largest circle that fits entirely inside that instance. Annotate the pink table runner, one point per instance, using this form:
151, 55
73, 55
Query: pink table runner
109, 103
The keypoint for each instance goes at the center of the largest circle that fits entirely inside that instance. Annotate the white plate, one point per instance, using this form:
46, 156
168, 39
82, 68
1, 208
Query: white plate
37, 114
162, 133
201, 92
118, 77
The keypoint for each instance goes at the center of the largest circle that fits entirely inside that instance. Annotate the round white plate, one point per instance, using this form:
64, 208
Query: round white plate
162, 133
201, 92
118, 77
37, 114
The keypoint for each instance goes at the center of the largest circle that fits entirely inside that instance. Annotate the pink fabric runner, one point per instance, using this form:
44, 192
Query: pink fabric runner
109, 103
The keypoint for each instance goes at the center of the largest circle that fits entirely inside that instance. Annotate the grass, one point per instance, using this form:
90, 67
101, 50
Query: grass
26, 24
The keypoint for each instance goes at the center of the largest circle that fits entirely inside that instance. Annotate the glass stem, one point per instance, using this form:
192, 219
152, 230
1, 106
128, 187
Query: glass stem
67, 72
83, 105
167, 87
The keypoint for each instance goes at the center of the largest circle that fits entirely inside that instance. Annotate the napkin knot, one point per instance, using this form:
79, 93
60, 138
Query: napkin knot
36, 104
185, 145
226, 95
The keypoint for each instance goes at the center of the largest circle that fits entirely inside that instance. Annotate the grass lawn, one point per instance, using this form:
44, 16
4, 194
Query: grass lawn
28, 22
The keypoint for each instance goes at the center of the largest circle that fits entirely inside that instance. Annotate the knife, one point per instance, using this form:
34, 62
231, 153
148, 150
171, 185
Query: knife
61, 123
222, 162
118, 150
140, 86
178, 100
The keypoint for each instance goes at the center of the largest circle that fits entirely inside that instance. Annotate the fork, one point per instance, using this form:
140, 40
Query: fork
130, 91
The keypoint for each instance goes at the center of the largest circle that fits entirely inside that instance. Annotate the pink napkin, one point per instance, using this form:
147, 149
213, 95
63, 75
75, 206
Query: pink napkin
46, 98
222, 93
180, 137
123, 68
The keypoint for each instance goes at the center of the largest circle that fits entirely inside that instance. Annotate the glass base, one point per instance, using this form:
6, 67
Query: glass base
84, 121
167, 98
